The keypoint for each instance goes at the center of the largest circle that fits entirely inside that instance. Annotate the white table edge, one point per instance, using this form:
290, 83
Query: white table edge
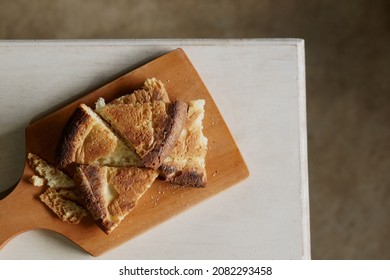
303, 150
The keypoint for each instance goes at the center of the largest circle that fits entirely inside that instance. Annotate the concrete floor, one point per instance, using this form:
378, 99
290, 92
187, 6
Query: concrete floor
348, 94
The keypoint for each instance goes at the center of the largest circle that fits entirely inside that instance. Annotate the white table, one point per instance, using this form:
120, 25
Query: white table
259, 87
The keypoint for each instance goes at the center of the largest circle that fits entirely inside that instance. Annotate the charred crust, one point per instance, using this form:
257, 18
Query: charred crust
167, 172
182, 178
66, 148
89, 178
158, 94
177, 113
192, 178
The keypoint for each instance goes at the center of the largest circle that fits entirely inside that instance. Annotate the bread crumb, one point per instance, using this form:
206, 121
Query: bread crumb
37, 181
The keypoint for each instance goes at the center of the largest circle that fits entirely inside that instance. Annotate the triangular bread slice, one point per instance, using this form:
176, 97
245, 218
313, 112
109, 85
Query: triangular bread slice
87, 139
186, 163
110, 193
151, 128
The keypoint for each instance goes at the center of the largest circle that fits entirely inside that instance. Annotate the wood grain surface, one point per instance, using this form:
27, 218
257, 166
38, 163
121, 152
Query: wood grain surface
22, 210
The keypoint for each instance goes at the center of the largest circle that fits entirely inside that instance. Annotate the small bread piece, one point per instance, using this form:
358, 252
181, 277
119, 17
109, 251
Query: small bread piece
48, 174
61, 196
63, 203
87, 139
110, 193
186, 164
152, 129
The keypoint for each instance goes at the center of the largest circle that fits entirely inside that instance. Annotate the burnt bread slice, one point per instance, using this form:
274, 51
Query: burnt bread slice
186, 165
110, 193
87, 139
150, 128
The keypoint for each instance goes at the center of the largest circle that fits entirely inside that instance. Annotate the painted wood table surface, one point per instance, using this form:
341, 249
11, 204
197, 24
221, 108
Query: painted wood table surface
259, 88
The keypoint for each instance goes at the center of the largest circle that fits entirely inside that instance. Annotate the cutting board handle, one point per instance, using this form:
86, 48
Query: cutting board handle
19, 211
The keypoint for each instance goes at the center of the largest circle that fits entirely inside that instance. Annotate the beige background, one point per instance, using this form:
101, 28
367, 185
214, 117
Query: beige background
348, 97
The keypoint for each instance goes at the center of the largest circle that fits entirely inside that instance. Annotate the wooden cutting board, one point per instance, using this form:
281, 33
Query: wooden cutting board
22, 210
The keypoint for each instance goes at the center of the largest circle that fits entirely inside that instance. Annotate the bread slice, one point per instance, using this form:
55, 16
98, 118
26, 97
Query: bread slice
146, 120
64, 203
87, 139
110, 193
61, 196
48, 174
186, 164
150, 128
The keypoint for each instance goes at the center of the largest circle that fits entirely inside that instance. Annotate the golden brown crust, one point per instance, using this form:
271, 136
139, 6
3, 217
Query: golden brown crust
86, 139
110, 193
150, 128
130, 184
156, 89
153, 90
72, 135
132, 123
